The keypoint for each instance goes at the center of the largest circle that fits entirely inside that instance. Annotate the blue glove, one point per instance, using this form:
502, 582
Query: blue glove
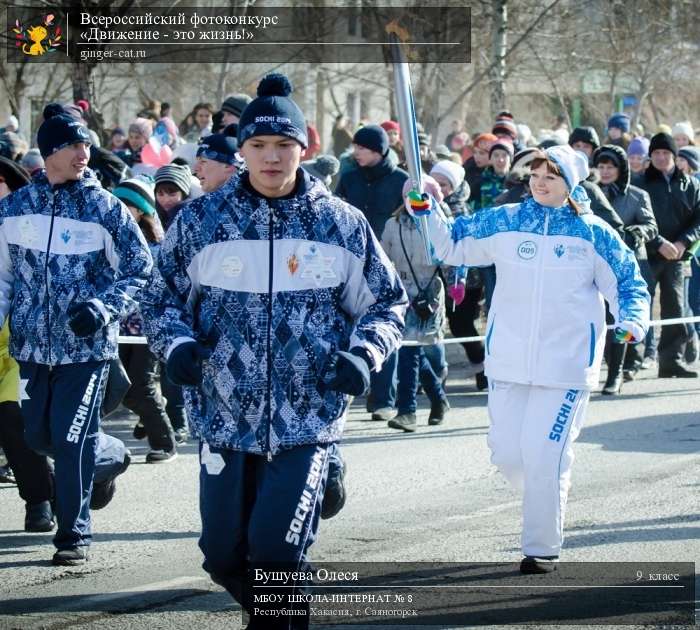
348, 372
84, 319
184, 365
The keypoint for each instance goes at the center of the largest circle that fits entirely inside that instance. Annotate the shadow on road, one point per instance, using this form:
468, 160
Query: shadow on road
646, 530
661, 433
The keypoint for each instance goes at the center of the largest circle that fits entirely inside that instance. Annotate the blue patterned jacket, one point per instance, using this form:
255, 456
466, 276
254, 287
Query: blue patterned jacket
546, 324
273, 287
61, 245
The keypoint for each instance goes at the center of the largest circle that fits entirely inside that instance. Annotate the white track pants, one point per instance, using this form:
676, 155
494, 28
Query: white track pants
531, 436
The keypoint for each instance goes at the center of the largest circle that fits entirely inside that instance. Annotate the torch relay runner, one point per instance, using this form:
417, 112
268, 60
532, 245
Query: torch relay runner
557, 263
278, 301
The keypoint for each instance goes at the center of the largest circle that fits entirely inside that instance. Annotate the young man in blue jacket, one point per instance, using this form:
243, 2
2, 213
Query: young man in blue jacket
72, 260
278, 303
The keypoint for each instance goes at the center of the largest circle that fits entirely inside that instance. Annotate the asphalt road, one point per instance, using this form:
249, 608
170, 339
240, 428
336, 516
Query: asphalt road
427, 497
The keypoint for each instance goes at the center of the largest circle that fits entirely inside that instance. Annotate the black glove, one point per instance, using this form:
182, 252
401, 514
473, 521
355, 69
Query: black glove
184, 366
634, 236
84, 319
348, 372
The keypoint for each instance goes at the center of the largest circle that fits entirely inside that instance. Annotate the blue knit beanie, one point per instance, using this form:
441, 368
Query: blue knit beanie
273, 113
372, 137
220, 147
619, 121
59, 130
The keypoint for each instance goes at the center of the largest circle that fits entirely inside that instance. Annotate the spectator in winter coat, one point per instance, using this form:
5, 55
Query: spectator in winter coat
140, 130
324, 167
688, 161
375, 186
638, 154
633, 206
476, 164
202, 114
494, 176
375, 189
172, 192
425, 320
342, 137
585, 140
492, 184
683, 134
619, 130
279, 301
64, 338
463, 310
141, 365
233, 107
675, 199
517, 187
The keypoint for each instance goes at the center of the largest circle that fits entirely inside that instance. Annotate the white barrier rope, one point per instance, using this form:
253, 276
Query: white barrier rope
658, 322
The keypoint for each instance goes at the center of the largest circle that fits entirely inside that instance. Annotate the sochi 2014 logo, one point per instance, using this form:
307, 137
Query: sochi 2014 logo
38, 40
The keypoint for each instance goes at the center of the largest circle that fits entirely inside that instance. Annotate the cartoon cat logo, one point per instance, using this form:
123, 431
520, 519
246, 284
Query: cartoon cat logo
30, 39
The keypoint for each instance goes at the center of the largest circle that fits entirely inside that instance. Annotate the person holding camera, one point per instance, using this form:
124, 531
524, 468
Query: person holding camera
556, 263
425, 321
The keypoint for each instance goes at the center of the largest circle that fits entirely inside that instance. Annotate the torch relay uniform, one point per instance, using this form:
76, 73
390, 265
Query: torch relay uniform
545, 336
67, 249
272, 288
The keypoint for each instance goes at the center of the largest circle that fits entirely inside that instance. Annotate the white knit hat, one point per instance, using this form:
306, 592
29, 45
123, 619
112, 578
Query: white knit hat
451, 170
684, 128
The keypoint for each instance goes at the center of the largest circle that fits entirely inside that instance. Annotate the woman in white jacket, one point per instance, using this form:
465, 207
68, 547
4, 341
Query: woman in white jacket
545, 333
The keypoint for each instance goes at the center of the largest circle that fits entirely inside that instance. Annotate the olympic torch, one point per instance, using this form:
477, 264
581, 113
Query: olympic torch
419, 201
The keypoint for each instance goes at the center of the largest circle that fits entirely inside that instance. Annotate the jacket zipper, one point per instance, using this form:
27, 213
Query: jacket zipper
46, 280
538, 304
269, 335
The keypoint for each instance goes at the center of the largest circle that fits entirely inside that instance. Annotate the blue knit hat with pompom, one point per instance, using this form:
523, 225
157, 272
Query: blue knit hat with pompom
273, 113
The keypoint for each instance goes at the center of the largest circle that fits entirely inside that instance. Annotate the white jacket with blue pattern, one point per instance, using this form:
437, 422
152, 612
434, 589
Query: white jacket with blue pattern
546, 325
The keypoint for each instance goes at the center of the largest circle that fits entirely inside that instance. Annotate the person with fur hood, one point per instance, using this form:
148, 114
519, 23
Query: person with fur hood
634, 207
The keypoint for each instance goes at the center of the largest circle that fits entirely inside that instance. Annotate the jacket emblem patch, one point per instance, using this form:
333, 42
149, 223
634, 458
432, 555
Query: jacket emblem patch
293, 264
316, 266
231, 266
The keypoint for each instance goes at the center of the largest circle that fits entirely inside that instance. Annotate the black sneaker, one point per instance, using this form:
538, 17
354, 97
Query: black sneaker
181, 435
70, 557
39, 517
160, 456
531, 565
139, 431
404, 422
438, 411
335, 495
482, 382
103, 492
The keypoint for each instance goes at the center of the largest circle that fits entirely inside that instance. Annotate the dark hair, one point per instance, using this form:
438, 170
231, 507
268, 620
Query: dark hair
151, 228
169, 188
552, 167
